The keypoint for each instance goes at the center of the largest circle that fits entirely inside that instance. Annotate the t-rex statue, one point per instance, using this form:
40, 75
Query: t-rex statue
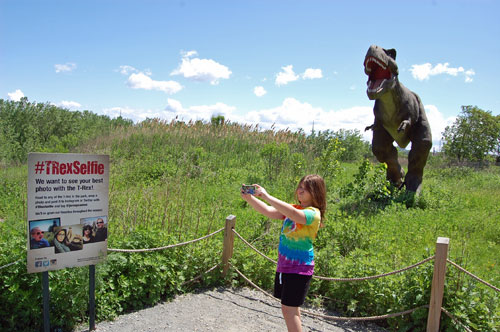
399, 116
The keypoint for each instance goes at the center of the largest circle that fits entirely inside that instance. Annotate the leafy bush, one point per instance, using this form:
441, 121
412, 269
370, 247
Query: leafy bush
329, 160
352, 147
275, 156
27, 127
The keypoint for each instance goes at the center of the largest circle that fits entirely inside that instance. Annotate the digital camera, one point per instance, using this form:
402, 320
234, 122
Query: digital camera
248, 189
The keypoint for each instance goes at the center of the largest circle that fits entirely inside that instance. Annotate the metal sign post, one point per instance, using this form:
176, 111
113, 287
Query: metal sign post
46, 301
91, 297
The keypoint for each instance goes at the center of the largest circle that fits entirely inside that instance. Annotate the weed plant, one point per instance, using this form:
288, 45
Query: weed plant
173, 181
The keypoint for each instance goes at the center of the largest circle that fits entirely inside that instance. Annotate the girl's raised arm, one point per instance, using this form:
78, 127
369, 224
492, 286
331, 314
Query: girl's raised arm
286, 209
281, 207
261, 207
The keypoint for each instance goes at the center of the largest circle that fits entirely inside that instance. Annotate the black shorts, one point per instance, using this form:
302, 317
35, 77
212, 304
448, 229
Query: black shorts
292, 288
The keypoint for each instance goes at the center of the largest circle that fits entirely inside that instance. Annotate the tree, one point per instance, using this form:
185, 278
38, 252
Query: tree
473, 136
29, 126
217, 120
275, 156
353, 146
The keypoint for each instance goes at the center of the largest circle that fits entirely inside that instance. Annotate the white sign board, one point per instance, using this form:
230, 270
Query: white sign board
67, 210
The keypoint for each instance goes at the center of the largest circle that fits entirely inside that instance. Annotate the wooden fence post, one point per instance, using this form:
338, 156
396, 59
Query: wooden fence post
227, 252
437, 290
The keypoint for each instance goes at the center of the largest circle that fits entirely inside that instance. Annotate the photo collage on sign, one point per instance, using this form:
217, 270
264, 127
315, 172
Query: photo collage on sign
49, 233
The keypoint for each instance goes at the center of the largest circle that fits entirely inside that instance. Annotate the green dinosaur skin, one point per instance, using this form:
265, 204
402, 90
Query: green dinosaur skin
399, 116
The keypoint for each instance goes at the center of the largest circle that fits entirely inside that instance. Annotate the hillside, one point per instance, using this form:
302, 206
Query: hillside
173, 182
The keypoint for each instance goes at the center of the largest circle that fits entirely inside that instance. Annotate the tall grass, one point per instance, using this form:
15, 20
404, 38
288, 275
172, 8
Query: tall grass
175, 181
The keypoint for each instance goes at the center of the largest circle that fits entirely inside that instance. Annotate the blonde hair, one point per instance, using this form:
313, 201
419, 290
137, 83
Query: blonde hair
316, 186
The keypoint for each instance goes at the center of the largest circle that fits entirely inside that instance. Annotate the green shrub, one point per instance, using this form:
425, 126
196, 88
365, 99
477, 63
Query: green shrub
275, 156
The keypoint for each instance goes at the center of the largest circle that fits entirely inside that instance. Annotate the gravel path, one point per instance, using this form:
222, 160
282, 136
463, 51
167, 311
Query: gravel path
223, 310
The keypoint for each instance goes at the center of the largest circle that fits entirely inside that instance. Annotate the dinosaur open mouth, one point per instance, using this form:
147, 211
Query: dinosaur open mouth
377, 72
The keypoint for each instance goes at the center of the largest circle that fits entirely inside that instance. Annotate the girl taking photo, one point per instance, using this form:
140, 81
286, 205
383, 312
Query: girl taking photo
295, 252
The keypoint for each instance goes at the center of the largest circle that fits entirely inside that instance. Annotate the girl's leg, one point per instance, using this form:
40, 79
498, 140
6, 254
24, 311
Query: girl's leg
292, 318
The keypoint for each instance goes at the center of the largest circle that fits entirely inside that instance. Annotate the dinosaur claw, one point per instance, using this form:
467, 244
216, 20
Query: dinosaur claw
403, 125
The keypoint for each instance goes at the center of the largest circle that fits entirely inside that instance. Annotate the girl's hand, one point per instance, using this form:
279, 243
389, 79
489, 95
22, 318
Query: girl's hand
244, 195
260, 191
259, 205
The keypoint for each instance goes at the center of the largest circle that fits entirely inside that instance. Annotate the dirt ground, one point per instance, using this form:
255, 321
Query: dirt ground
222, 309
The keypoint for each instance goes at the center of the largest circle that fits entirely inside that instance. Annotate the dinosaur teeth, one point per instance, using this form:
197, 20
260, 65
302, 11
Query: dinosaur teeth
377, 62
375, 86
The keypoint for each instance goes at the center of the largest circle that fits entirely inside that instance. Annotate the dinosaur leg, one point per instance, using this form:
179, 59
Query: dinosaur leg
384, 150
417, 159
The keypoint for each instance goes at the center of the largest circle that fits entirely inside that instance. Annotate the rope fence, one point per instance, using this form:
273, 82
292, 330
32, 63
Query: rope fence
7, 265
379, 275
253, 248
473, 276
455, 319
370, 318
174, 246
339, 318
167, 247
201, 275
339, 279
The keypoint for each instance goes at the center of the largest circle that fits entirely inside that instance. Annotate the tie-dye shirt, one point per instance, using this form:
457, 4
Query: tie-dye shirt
295, 252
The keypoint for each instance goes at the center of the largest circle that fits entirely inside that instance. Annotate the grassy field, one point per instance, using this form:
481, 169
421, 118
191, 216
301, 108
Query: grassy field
173, 182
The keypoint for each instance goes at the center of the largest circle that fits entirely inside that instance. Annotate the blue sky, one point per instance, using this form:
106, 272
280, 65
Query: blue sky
286, 63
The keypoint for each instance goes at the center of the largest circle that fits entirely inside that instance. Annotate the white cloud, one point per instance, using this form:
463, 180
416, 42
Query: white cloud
115, 112
16, 95
64, 68
468, 75
291, 113
286, 76
136, 115
426, 70
203, 70
202, 112
70, 104
311, 74
438, 123
189, 54
126, 70
259, 91
142, 81
294, 114
174, 109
